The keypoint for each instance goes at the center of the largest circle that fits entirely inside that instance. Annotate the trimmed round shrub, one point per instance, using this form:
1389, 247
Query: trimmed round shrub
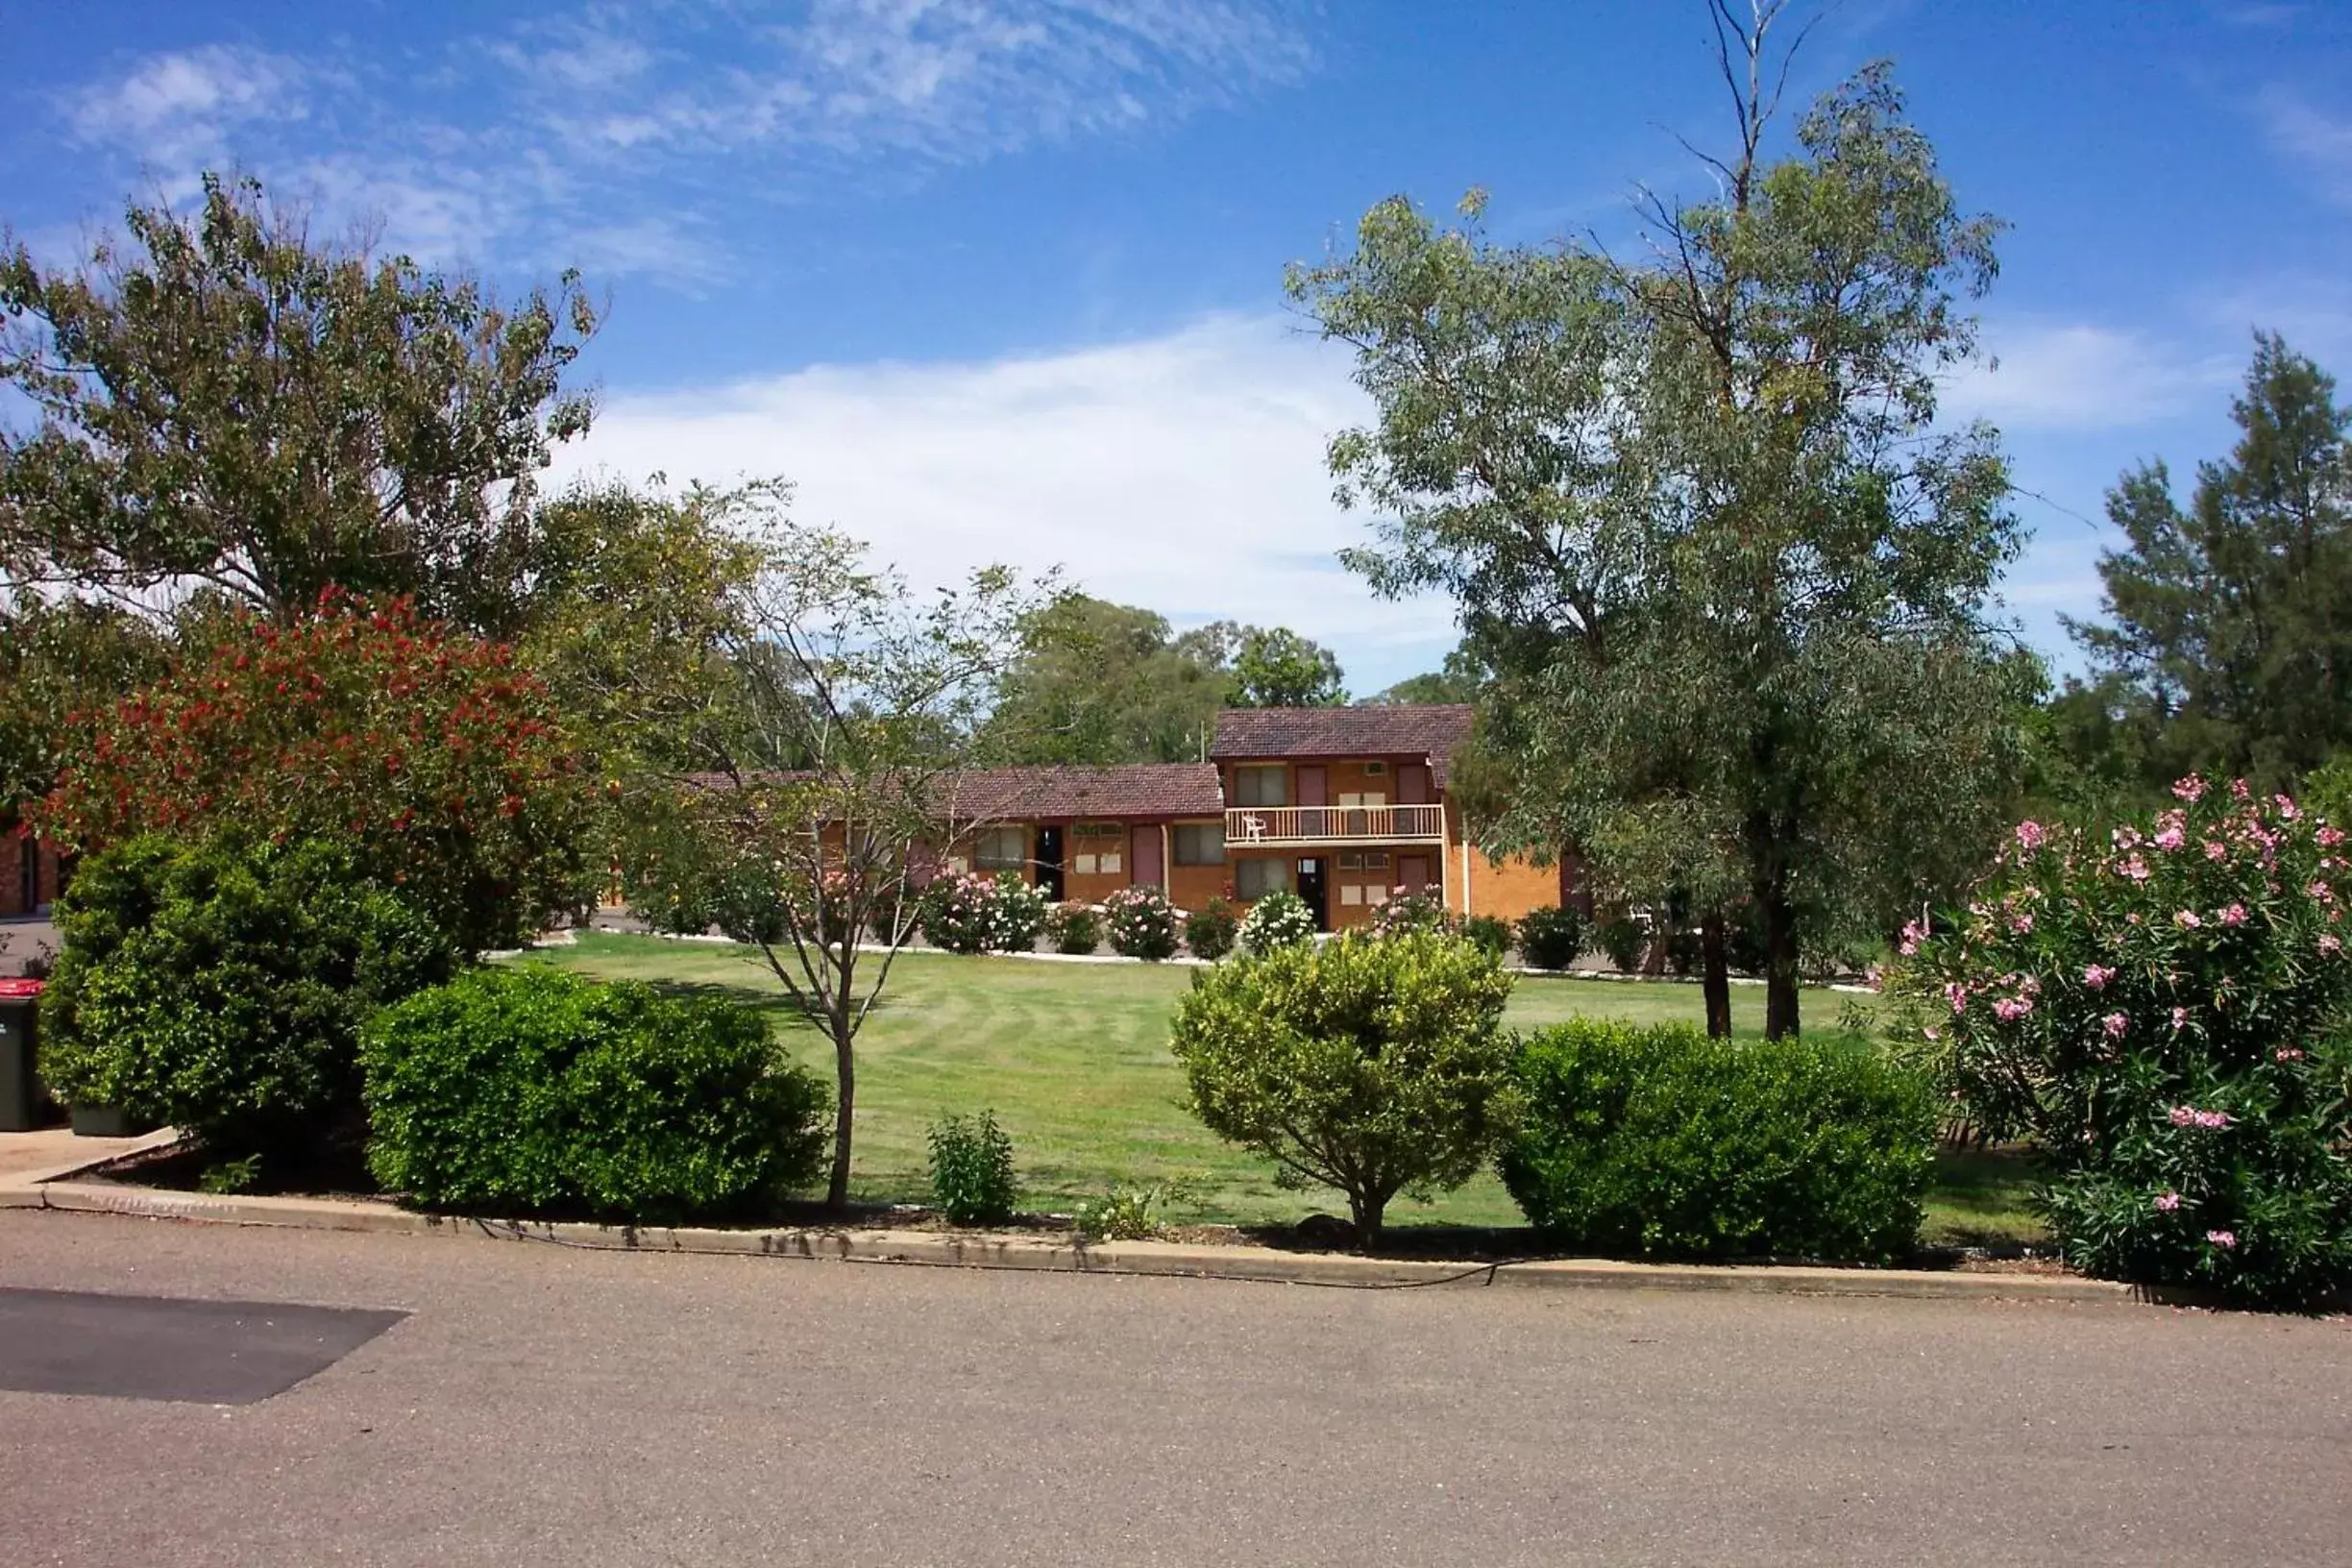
1422, 911
529, 1091
1019, 916
1278, 919
972, 1170
1660, 1142
1142, 923
1373, 1064
1624, 939
1489, 932
2166, 1009
1210, 930
1073, 929
222, 990
1550, 939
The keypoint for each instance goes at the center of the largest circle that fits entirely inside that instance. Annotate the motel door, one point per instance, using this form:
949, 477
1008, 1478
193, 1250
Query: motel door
1412, 873
1145, 847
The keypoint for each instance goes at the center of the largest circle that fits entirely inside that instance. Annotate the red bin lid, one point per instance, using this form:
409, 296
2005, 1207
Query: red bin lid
20, 987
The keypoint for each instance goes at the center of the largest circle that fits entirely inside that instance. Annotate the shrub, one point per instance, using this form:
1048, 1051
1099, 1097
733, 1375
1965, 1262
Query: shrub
443, 765
975, 913
1209, 930
1419, 911
1373, 1064
1141, 923
1488, 934
1278, 919
1624, 939
1661, 1142
1550, 939
1073, 929
527, 1090
972, 1170
1129, 1212
222, 990
2164, 1009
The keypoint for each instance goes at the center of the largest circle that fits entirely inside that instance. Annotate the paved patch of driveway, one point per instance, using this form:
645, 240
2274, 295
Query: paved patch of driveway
170, 1347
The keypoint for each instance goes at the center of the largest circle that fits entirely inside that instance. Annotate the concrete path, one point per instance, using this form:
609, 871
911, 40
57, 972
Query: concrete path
543, 1405
51, 1147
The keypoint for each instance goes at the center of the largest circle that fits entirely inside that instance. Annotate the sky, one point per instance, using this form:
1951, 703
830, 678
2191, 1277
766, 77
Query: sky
1001, 279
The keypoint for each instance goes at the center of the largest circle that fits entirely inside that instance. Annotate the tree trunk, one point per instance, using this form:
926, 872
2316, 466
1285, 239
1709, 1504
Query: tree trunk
844, 1077
1779, 964
1366, 1212
1716, 980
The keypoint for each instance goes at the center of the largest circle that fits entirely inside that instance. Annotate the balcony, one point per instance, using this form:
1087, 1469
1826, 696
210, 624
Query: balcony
1254, 826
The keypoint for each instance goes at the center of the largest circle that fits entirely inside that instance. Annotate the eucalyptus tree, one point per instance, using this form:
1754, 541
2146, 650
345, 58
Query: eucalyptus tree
1697, 514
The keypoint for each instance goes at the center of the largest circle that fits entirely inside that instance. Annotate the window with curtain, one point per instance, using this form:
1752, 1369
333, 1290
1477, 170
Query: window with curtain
1262, 786
1002, 850
1200, 843
1255, 878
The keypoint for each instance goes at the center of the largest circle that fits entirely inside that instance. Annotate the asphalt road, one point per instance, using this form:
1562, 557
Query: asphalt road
542, 1404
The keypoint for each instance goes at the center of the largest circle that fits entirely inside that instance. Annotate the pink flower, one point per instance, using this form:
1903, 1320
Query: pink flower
2224, 1239
2010, 1008
2329, 838
2172, 837
2030, 834
2234, 915
2287, 809
2180, 1018
2322, 892
2134, 867
2114, 1023
2186, 920
2096, 976
2215, 849
2329, 944
2168, 1201
2191, 789
2188, 1115
2239, 790
1931, 1032
2287, 1053
1957, 994
1913, 934
2021, 923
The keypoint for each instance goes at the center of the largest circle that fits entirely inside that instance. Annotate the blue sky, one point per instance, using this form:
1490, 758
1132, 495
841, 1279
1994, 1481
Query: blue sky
1001, 279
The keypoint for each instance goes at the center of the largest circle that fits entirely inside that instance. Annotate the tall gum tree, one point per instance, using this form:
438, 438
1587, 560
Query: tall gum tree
1697, 515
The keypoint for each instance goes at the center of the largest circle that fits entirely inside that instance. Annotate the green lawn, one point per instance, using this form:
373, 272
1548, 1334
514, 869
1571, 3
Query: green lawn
1074, 1059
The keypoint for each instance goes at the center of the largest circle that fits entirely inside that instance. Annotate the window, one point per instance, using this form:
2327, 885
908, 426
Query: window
1376, 860
1200, 843
1262, 786
1351, 861
1255, 878
1003, 848
1376, 770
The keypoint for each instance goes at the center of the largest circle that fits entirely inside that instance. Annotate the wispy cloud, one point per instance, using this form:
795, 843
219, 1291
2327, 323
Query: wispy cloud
2075, 376
1183, 472
2312, 137
170, 109
527, 140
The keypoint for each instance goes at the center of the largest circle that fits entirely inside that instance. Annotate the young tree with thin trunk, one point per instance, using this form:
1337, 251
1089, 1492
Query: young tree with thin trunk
832, 751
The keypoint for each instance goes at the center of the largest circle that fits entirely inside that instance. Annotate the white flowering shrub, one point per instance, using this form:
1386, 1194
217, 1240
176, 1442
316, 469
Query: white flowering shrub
1141, 923
2164, 1010
976, 913
1277, 920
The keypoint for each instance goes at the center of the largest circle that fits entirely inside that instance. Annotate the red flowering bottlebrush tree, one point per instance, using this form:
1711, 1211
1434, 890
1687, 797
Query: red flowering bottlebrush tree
2165, 1009
427, 749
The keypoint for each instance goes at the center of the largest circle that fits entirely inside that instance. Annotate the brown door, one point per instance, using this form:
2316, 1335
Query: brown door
1412, 873
1143, 846
1313, 790
1413, 785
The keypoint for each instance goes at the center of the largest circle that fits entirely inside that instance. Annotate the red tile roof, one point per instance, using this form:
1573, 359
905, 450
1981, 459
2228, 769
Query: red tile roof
1144, 789
1433, 730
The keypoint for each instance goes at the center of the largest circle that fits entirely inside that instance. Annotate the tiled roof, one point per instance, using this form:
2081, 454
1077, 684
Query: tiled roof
1431, 730
1143, 789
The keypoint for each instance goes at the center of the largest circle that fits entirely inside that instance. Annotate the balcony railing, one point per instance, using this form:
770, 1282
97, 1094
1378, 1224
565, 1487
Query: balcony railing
1247, 825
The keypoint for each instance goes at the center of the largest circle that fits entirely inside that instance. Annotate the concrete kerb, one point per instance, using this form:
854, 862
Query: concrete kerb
1043, 1254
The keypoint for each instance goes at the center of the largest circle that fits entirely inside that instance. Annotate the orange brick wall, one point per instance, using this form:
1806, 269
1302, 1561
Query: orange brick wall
1191, 887
1508, 888
14, 847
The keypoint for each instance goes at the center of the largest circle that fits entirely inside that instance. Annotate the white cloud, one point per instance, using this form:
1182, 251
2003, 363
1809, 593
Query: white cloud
2072, 376
1183, 472
174, 109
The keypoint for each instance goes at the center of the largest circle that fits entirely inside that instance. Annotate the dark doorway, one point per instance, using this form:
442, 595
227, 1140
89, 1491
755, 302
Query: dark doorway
1049, 862
1311, 890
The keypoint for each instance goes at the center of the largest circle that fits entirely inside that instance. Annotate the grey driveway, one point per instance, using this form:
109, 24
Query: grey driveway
539, 1405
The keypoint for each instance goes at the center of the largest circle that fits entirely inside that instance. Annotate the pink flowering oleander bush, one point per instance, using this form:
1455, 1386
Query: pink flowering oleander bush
1412, 911
2164, 1009
976, 913
1141, 923
1074, 928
